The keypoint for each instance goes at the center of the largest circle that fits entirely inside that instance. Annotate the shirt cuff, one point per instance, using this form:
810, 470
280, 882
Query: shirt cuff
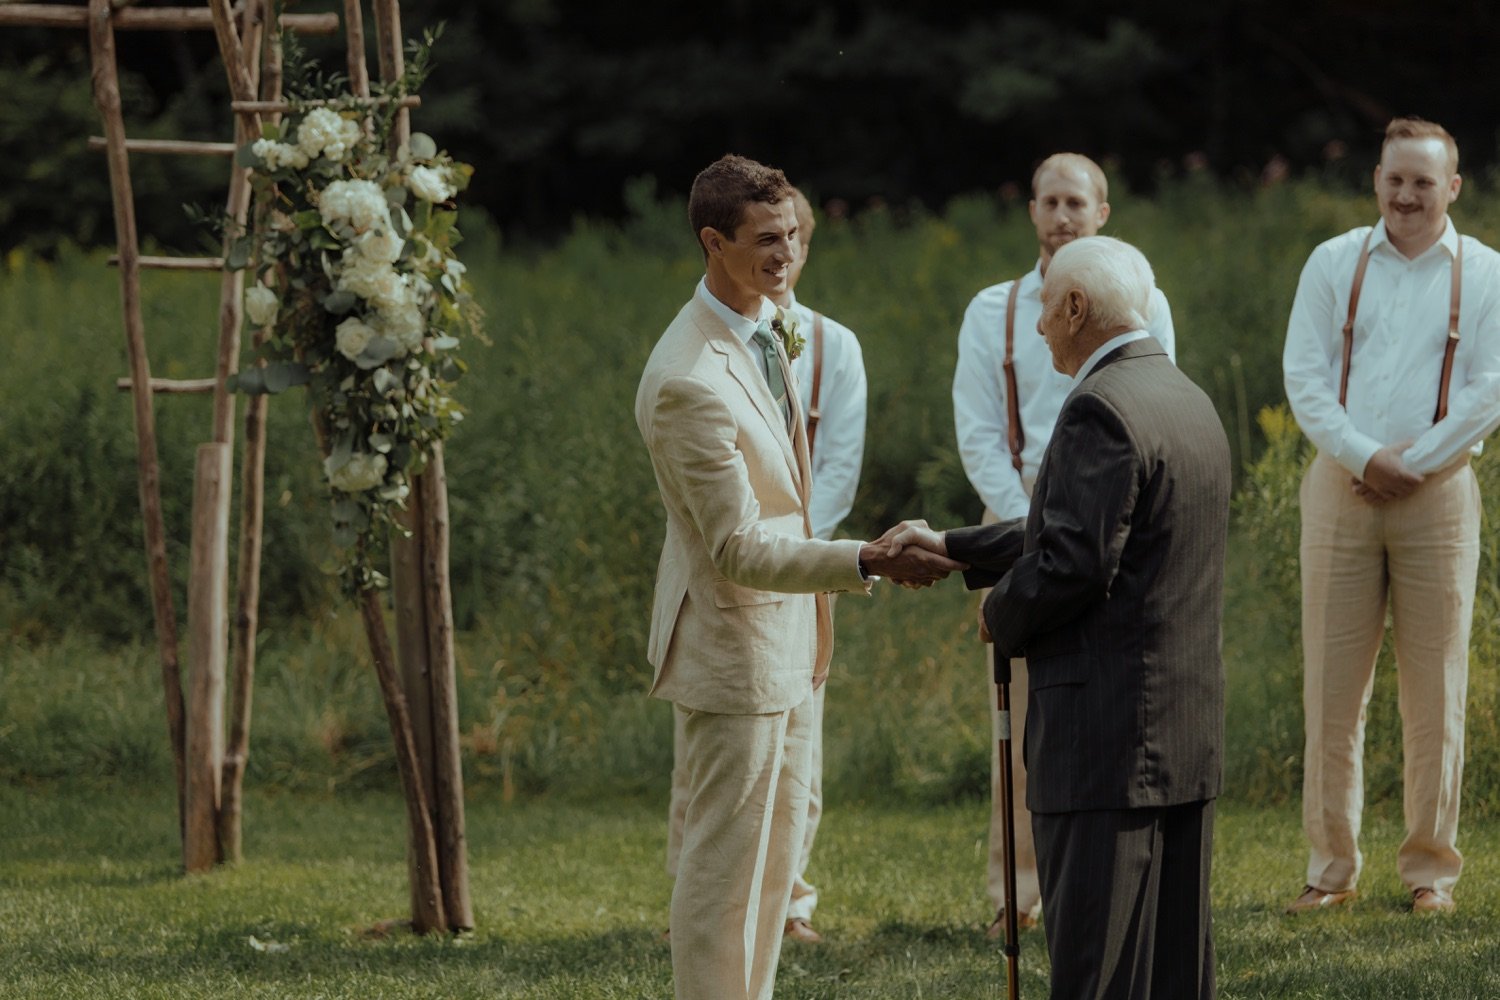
1355, 452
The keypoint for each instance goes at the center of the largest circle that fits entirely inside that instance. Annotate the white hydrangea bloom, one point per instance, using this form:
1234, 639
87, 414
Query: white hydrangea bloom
352, 336
261, 305
359, 203
276, 155
326, 131
359, 472
430, 184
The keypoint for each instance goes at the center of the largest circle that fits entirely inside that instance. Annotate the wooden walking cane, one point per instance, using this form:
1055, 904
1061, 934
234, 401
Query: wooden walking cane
1008, 829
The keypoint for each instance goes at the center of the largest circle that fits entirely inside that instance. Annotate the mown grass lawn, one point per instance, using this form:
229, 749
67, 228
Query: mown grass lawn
571, 902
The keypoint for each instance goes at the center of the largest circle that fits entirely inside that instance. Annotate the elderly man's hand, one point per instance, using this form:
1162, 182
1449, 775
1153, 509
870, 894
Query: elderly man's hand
911, 554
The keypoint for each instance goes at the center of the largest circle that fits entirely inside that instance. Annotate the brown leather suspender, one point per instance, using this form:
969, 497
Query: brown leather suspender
1448, 350
813, 413
1013, 429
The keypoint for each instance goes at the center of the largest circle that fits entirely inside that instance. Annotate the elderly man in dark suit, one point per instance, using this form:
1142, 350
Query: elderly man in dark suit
1112, 588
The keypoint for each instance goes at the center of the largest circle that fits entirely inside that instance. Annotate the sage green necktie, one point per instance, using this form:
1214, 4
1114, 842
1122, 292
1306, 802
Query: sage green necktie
766, 341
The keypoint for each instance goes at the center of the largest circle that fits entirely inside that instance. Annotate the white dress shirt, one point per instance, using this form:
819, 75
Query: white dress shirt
839, 447
1400, 333
742, 327
979, 405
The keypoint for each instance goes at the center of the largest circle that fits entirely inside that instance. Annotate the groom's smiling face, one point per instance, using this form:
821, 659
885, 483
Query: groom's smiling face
757, 257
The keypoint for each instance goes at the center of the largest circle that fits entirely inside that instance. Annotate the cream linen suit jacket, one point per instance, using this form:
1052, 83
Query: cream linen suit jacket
740, 624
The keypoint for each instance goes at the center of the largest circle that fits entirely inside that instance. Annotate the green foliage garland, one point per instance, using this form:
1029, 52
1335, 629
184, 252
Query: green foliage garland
356, 279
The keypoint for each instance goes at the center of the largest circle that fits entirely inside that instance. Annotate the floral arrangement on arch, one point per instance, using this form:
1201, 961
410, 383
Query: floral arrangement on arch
364, 301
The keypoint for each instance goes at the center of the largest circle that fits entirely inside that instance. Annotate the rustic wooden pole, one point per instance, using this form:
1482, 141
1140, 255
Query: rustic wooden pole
252, 520
208, 591
429, 545
428, 911
107, 98
354, 49
410, 602
44, 15
447, 760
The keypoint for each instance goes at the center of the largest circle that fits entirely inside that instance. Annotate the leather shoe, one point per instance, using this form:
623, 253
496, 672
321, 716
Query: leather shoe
996, 930
1313, 898
799, 929
1429, 900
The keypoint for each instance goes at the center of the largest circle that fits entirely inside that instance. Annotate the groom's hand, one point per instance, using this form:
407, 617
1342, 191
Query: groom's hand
911, 554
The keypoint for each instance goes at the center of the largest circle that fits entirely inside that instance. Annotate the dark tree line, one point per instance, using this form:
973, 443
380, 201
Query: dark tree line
560, 102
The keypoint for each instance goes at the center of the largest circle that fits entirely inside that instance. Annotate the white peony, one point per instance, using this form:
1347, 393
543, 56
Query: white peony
359, 472
359, 203
430, 184
403, 323
261, 305
326, 131
352, 336
276, 155
380, 244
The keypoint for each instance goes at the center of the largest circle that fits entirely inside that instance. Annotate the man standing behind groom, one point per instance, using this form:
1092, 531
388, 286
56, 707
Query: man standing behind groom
1112, 588
741, 632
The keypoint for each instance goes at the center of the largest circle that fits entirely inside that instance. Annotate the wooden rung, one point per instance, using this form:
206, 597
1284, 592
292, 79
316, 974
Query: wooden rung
183, 146
410, 101
37, 15
176, 386
174, 263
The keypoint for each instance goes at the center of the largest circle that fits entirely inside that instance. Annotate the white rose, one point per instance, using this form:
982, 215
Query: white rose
430, 184
380, 244
359, 203
261, 305
352, 336
359, 472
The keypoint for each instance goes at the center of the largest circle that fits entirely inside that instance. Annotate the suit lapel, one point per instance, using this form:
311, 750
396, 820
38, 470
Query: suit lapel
742, 367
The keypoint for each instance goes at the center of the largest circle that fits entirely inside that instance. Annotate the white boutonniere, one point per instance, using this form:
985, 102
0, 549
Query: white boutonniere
785, 327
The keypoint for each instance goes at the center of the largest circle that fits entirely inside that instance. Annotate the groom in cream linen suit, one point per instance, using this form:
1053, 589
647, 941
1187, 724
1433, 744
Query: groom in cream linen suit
740, 626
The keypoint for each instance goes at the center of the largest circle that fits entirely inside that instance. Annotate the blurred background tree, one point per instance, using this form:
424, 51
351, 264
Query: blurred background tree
561, 102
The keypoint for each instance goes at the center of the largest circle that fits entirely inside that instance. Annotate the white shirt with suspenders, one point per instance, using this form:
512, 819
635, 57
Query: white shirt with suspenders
830, 375
1406, 350
1004, 369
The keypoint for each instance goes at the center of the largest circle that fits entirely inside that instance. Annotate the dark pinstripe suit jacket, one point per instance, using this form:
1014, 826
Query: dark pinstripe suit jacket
1113, 591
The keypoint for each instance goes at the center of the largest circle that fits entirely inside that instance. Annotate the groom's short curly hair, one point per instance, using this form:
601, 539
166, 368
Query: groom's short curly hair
723, 189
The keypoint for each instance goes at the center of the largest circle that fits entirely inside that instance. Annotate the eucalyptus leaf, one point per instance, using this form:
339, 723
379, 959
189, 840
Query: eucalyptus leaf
382, 443
377, 352
445, 342
251, 381
308, 219
385, 383
282, 375
246, 158
239, 253
344, 536
346, 511
422, 146
339, 302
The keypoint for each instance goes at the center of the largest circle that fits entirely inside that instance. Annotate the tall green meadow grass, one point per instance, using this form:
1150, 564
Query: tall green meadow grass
557, 526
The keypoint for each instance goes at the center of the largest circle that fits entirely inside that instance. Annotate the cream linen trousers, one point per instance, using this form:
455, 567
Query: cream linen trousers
1423, 554
744, 812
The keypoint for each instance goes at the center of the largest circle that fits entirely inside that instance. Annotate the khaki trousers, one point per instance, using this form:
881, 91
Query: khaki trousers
1421, 553
746, 806
1028, 888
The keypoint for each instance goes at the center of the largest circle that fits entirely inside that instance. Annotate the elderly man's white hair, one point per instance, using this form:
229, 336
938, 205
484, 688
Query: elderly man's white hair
1114, 275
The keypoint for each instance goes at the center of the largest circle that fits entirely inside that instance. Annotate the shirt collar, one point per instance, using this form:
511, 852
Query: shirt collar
742, 327
1129, 337
1448, 241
